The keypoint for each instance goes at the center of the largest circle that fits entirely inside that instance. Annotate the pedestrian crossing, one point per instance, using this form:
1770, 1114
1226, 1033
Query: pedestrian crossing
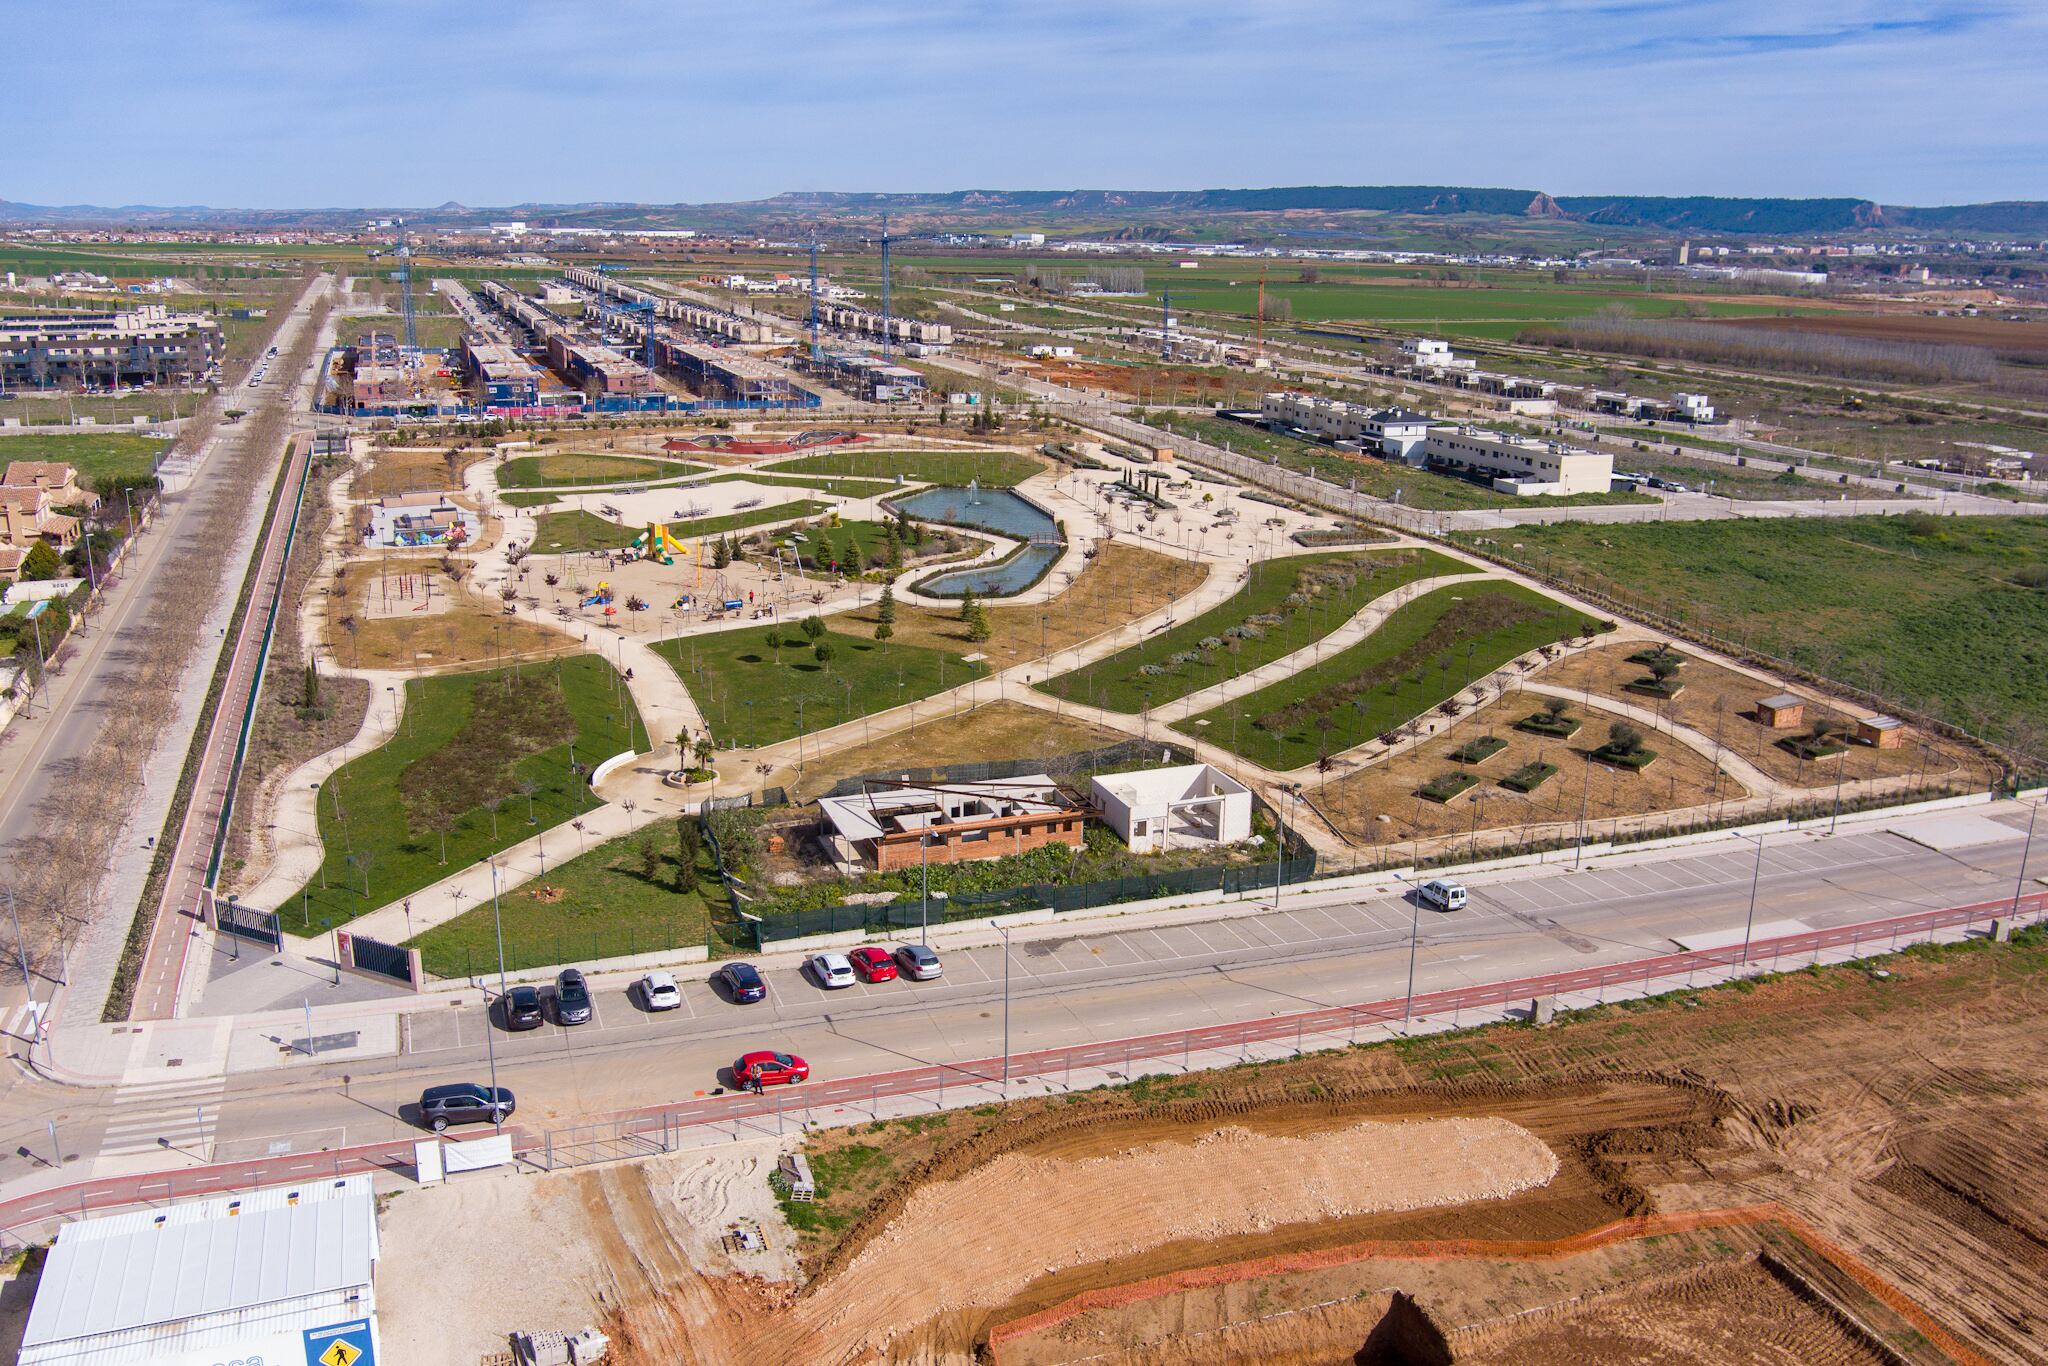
184, 1114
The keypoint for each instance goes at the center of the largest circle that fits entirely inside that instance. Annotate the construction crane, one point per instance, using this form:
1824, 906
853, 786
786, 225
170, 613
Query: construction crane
888, 335
1262, 310
412, 341
1166, 324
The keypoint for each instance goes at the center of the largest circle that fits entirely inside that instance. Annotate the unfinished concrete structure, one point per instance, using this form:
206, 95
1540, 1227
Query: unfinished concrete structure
1156, 809
889, 826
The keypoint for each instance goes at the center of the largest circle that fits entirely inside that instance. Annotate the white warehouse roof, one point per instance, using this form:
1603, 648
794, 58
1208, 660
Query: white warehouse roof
107, 1278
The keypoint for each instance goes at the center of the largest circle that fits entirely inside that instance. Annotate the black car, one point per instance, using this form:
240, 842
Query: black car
522, 1008
572, 998
743, 983
463, 1103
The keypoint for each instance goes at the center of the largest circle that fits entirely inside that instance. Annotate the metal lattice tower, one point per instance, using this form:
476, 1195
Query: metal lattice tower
1166, 324
412, 340
887, 329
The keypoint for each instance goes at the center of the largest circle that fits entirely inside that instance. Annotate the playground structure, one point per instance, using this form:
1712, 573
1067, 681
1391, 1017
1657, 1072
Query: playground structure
601, 598
656, 544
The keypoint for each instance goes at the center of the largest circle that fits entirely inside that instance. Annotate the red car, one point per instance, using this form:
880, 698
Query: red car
769, 1069
873, 964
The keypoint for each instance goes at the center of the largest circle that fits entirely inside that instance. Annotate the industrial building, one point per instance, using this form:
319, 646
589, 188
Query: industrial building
145, 345
890, 826
276, 1275
861, 322
1518, 464
872, 378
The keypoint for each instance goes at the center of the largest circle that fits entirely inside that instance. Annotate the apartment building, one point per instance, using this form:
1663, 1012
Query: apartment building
1518, 464
147, 344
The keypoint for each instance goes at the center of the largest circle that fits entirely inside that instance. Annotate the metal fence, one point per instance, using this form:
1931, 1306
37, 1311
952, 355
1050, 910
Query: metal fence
365, 954
248, 923
583, 1144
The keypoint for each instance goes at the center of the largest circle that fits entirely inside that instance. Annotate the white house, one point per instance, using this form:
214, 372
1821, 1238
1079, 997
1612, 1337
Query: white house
1164, 808
1692, 407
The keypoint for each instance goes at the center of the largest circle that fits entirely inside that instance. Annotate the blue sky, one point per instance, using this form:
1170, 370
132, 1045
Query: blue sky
277, 103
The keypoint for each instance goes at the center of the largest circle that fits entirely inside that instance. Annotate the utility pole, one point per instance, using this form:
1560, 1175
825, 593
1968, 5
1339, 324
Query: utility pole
1756, 875
1004, 931
2019, 884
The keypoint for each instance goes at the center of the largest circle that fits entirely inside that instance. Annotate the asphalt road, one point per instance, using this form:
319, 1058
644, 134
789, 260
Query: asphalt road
1317, 950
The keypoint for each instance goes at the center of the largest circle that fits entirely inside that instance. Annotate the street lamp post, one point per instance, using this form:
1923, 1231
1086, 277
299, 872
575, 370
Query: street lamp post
1414, 934
1756, 875
1004, 931
2018, 886
497, 925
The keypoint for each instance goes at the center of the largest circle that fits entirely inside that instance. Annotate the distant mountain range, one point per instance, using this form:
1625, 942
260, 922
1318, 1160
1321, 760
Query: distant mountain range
1132, 212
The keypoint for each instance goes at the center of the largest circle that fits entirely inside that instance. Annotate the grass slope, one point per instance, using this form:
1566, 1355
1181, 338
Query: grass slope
374, 805
1119, 683
97, 457
749, 693
1426, 652
993, 469
1923, 609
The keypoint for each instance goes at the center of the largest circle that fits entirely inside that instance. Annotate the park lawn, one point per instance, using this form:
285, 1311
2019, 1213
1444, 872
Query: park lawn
749, 693
529, 498
1423, 654
450, 720
840, 488
99, 457
1375, 478
740, 521
571, 468
1920, 609
1119, 682
992, 469
610, 906
566, 533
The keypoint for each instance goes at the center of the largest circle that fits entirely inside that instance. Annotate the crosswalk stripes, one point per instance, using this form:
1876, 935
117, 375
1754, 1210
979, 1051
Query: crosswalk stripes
184, 1114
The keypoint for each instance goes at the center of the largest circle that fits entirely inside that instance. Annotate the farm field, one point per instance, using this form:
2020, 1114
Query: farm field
470, 742
750, 693
992, 469
1932, 611
1428, 651
1646, 1186
1284, 606
101, 458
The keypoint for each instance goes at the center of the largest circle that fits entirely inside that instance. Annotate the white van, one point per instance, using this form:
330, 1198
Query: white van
1444, 895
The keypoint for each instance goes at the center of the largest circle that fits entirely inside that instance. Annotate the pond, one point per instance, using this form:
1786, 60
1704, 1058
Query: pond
997, 510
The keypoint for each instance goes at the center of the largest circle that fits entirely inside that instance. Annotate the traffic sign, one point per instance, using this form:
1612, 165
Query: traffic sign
344, 1344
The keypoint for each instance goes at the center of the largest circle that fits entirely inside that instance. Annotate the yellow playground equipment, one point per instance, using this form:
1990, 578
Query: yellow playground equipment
656, 544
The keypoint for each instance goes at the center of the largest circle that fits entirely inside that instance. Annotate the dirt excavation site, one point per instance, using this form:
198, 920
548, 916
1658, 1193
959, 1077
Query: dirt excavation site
1839, 1166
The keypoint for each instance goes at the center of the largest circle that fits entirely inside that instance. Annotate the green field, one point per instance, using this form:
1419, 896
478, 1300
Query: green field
1929, 611
566, 533
1324, 593
843, 488
99, 457
740, 521
1376, 478
616, 901
749, 693
572, 468
528, 498
992, 469
1426, 652
467, 740
1509, 305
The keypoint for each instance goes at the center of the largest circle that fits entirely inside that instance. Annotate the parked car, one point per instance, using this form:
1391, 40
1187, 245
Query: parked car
658, 991
742, 983
919, 963
872, 964
464, 1102
572, 998
1443, 894
769, 1069
522, 1009
831, 970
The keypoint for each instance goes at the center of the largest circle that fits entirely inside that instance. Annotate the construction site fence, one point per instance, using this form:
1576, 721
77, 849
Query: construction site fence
911, 911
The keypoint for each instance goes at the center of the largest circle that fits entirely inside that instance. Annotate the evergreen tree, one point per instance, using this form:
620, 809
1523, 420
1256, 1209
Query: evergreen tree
885, 610
969, 605
40, 563
884, 631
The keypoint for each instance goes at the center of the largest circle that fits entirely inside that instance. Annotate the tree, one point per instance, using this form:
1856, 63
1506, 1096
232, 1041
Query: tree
1556, 706
885, 610
40, 563
309, 688
1311, 275
689, 846
823, 651
884, 630
775, 646
1623, 739
969, 605
650, 860
1662, 669
978, 629
707, 751
813, 626
721, 552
